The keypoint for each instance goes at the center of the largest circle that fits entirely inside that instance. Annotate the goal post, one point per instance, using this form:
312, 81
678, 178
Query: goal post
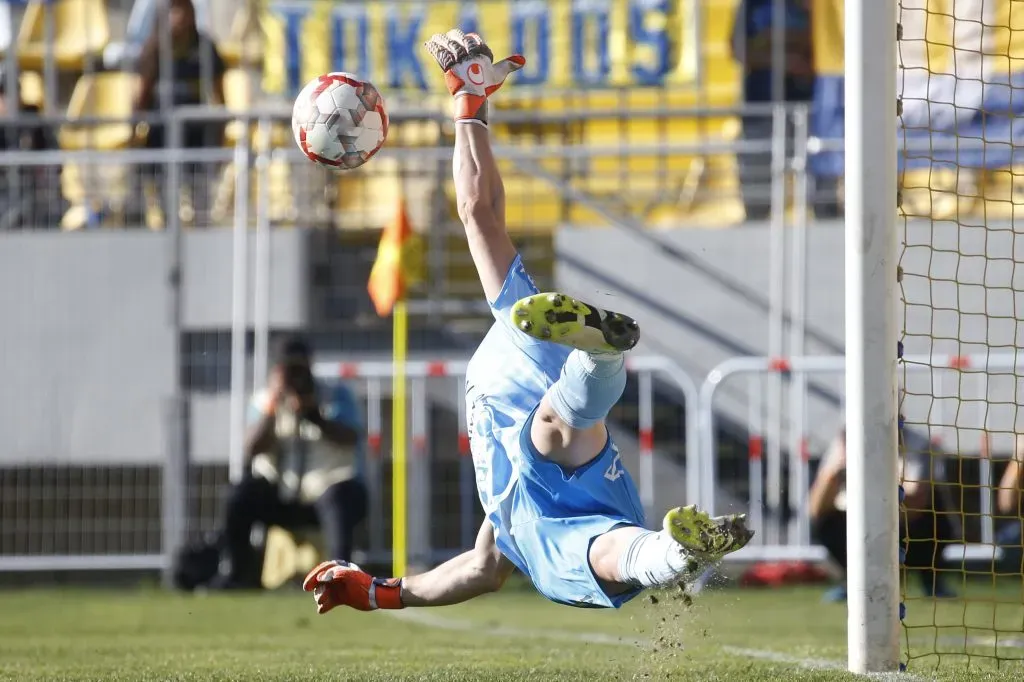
871, 252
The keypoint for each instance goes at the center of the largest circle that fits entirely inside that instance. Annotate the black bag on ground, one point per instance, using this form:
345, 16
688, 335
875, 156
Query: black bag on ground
195, 564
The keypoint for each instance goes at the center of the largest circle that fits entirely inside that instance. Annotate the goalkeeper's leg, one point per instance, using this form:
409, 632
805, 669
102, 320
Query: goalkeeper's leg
629, 557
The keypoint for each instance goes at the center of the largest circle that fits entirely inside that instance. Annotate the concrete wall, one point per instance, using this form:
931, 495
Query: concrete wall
702, 296
89, 353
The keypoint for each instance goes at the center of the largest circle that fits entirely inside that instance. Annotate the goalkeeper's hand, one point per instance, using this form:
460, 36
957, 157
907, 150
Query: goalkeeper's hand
339, 583
469, 71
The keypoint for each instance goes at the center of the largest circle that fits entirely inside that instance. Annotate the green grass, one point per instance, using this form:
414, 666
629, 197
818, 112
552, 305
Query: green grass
729, 634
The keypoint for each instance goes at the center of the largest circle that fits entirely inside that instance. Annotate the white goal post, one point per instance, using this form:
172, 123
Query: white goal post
871, 336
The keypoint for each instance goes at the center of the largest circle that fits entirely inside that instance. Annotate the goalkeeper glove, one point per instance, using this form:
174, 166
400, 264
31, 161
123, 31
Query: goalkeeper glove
339, 583
470, 72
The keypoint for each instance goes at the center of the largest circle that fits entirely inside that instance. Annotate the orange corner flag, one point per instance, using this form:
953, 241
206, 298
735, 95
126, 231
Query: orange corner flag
392, 271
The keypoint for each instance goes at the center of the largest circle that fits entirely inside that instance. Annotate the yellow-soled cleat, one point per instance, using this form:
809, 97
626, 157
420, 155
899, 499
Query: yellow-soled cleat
561, 319
707, 537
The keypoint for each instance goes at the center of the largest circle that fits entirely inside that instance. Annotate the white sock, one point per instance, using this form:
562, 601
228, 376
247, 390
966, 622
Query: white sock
653, 559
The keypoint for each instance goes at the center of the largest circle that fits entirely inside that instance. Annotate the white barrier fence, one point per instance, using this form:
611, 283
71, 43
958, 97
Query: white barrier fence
378, 375
443, 381
941, 415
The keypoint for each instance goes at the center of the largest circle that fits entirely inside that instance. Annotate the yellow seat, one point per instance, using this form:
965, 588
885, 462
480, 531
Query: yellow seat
80, 32
238, 98
244, 44
107, 95
97, 96
935, 193
30, 89
368, 198
1001, 194
659, 188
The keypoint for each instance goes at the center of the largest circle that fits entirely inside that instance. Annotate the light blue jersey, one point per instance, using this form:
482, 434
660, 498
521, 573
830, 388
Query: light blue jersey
545, 518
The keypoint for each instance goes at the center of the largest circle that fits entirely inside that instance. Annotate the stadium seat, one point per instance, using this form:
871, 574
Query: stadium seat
31, 89
238, 98
243, 44
666, 188
367, 198
659, 188
80, 29
102, 95
1000, 193
107, 95
935, 193
238, 87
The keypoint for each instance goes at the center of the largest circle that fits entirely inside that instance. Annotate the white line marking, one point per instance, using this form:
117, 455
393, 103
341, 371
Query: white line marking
813, 663
422, 617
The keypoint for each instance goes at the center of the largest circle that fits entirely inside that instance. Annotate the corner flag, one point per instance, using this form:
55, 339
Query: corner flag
397, 264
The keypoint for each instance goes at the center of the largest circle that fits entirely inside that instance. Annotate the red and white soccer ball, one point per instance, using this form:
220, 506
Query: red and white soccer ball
339, 121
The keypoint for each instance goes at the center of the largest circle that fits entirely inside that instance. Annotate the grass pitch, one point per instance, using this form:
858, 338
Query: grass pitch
729, 634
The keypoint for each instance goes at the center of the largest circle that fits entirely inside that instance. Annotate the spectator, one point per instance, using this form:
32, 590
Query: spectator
30, 195
306, 457
752, 48
1008, 505
924, 524
195, 77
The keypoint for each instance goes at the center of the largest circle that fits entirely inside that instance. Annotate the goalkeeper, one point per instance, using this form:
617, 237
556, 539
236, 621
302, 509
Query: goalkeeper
559, 504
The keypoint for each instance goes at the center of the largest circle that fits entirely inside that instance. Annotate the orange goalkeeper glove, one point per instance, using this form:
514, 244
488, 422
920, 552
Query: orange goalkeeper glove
470, 72
339, 583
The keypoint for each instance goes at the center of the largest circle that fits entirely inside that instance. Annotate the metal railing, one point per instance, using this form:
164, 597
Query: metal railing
765, 493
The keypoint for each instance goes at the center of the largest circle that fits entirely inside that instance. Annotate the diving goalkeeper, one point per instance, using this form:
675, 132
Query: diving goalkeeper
560, 506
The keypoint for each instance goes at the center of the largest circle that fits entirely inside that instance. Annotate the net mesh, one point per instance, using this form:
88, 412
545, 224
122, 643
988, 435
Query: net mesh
960, 73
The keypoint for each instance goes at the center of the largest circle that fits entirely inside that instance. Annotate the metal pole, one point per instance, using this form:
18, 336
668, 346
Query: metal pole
776, 313
239, 322
755, 450
174, 493
708, 440
261, 270
871, 336
374, 426
466, 473
419, 492
984, 465
645, 388
165, 100
778, 32
798, 467
49, 59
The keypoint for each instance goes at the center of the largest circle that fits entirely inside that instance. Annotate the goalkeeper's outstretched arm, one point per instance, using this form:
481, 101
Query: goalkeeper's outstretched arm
481, 201
481, 570
472, 76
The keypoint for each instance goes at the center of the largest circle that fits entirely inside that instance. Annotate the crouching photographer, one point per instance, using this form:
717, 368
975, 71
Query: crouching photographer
306, 459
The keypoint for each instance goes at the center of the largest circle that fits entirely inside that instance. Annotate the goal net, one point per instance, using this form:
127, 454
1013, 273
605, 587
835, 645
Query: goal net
959, 84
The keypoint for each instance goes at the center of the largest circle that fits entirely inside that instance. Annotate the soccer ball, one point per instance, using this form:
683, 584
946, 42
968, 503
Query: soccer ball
339, 121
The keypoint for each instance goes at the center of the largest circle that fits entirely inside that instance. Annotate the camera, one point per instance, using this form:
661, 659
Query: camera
299, 378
